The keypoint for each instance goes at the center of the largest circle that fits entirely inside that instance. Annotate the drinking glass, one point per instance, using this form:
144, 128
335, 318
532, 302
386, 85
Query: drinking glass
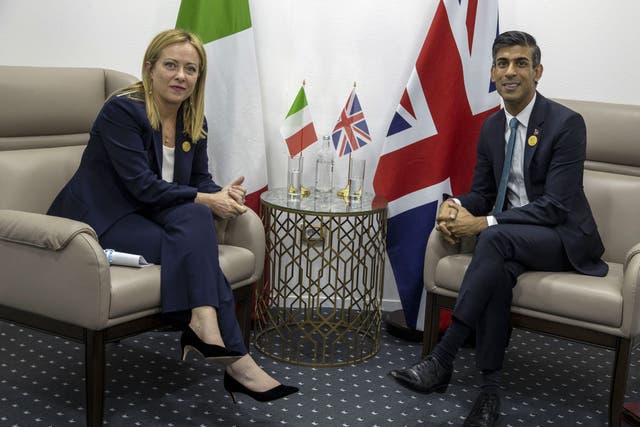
356, 178
294, 175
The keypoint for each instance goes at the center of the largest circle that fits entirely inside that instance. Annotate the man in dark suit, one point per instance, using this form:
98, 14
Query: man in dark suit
531, 214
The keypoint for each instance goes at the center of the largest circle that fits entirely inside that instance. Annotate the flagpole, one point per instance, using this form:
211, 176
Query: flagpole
304, 192
344, 192
304, 82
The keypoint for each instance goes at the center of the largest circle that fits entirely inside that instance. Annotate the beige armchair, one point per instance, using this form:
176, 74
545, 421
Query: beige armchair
604, 311
54, 275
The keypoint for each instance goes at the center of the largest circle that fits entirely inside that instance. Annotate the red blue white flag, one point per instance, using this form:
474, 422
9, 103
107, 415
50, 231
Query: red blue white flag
351, 132
430, 148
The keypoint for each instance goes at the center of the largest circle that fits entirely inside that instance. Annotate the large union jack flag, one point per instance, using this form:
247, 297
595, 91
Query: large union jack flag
351, 132
432, 136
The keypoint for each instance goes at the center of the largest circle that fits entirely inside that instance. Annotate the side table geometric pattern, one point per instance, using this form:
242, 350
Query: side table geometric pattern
321, 300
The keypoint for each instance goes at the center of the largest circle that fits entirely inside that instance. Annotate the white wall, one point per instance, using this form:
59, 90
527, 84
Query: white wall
589, 51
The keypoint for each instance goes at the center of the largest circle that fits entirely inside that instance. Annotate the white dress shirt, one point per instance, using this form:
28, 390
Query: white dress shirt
168, 160
516, 190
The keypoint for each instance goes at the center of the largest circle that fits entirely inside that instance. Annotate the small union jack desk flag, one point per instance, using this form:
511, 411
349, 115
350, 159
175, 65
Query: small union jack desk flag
351, 131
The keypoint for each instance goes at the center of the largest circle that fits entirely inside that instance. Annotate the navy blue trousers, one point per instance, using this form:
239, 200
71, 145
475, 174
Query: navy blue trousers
182, 239
502, 253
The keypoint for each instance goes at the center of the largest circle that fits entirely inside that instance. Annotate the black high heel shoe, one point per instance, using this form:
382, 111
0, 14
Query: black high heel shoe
233, 386
190, 341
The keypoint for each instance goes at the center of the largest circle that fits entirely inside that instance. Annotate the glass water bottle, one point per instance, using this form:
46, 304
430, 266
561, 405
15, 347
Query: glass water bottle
324, 166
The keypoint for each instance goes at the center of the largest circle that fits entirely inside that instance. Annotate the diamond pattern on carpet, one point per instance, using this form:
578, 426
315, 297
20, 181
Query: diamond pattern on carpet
547, 381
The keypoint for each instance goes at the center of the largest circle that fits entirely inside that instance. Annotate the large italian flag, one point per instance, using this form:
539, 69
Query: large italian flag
232, 104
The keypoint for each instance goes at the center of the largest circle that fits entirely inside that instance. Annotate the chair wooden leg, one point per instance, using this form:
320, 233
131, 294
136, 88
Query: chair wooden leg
431, 325
94, 364
619, 380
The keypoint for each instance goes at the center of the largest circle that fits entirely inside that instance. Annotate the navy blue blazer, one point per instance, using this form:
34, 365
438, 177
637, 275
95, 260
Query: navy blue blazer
553, 172
121, 168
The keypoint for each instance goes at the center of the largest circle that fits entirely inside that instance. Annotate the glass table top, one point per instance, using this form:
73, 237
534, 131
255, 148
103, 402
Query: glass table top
317, 203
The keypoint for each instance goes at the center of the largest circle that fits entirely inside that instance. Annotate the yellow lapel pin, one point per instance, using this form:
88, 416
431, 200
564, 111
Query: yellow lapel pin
186, 146
532, 141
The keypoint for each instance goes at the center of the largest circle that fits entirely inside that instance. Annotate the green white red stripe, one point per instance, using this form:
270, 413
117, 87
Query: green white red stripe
298, 130
233, 106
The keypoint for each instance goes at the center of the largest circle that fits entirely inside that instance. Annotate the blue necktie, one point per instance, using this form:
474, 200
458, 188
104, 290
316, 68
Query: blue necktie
506, 167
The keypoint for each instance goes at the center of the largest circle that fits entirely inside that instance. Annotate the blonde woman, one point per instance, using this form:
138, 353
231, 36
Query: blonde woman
144, 185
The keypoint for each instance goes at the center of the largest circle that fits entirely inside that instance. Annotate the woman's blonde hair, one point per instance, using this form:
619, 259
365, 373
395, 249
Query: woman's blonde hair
192, 107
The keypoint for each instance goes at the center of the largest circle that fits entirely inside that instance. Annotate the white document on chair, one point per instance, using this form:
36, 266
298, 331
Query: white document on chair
125, 259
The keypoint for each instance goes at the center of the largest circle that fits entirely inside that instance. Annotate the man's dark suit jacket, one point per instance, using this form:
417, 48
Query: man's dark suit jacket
120, 170
553, 171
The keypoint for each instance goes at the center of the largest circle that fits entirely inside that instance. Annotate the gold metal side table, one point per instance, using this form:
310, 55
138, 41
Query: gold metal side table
321, 300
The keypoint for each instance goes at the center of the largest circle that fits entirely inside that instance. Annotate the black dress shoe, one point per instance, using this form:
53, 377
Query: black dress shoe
190, 341
426, 376
485, 411
234, 386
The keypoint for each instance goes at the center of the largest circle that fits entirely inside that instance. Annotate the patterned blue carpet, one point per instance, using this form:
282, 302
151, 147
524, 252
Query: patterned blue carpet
547, 382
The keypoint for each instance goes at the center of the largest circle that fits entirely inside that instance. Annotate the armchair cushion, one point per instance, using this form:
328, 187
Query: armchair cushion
546, 295
136, 290
50, 168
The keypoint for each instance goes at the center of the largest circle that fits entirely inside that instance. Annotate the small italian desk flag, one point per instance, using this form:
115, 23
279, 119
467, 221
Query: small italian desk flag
232, 104
298, 130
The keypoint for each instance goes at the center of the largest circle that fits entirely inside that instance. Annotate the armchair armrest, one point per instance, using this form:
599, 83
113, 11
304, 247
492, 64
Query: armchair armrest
246, 231
438, 248
632, 253
631, 292
32, 229
54, 267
